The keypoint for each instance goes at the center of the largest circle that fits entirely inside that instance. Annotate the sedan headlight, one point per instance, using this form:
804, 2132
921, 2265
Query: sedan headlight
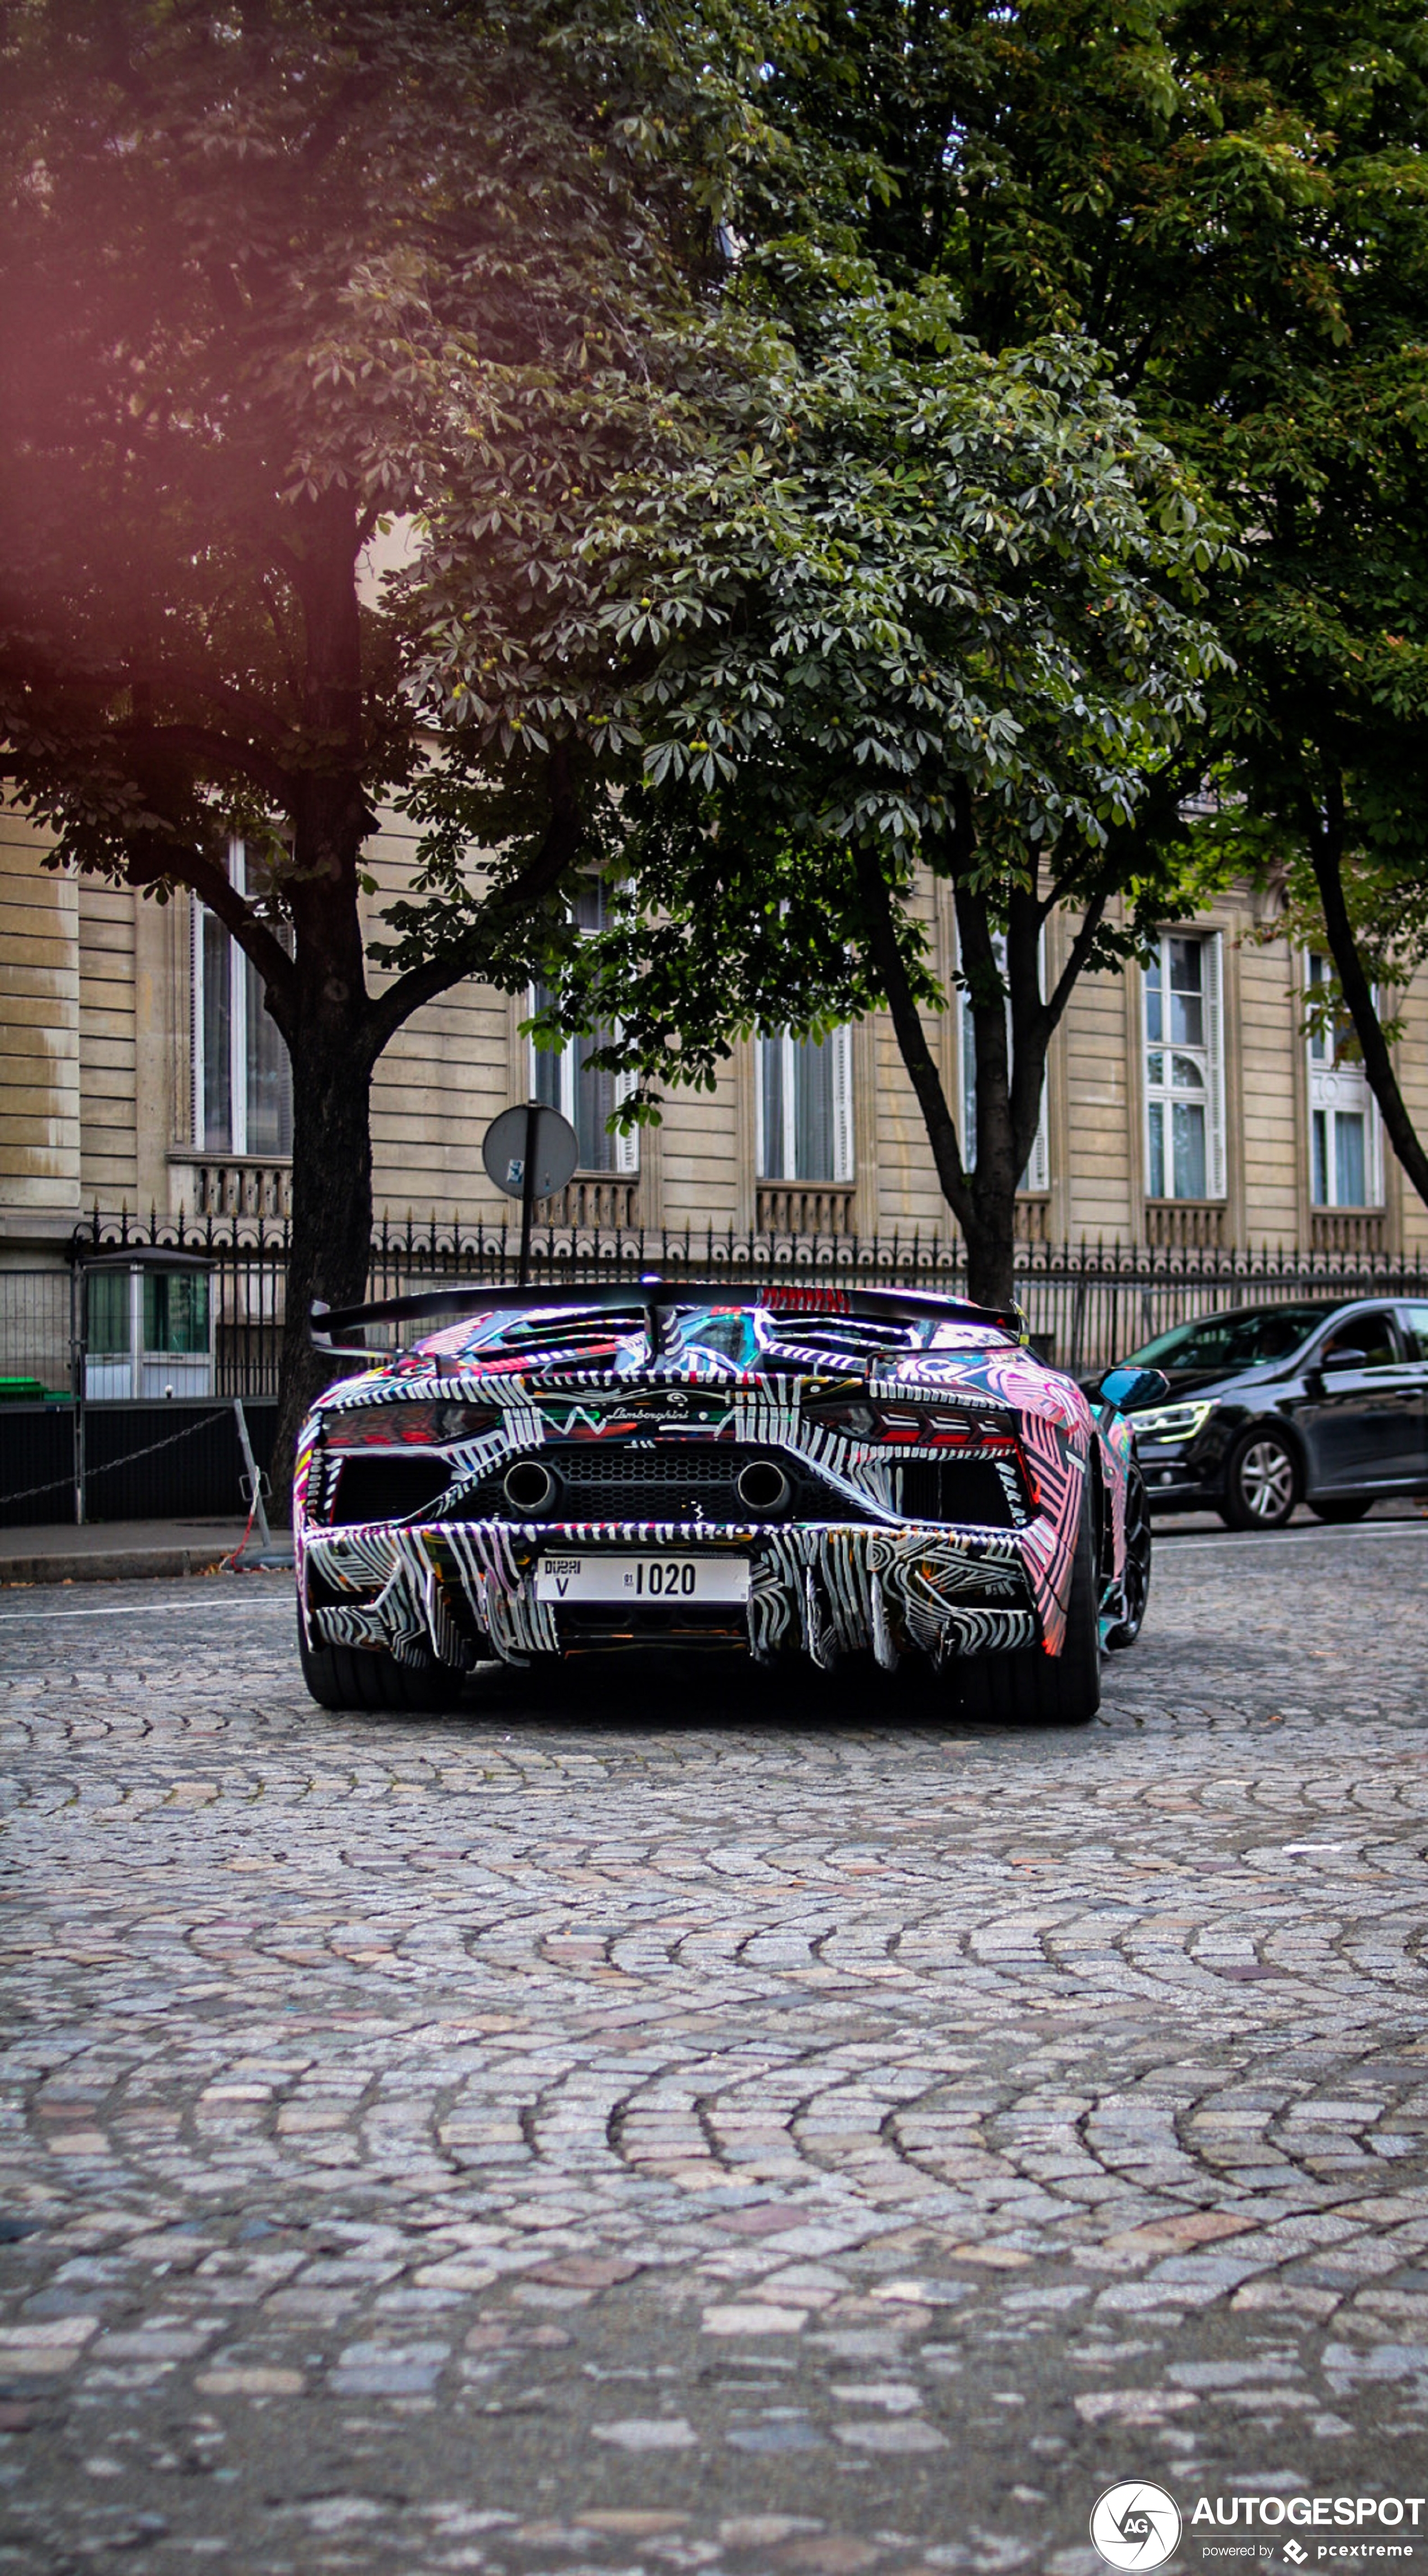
1172, 1421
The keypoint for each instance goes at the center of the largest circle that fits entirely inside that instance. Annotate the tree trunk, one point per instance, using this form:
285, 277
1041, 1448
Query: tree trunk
332, 1218
991, 1248
1326, 852
326, 1016
989, 1224
984, 1201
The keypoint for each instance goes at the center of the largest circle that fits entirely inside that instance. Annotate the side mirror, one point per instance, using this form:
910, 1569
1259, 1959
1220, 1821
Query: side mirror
1125, 1389
1332, 1360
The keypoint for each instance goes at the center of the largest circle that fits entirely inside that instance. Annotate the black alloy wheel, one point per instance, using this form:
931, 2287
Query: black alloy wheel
1033, 1689
1261, 1483
1349, 1508
368, 1677
1135, 1590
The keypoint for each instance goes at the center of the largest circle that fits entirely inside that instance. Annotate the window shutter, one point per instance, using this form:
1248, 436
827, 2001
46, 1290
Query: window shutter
968, 1059
195, 1022
550, 1072
238, 973
1373, 1157
1214, 1066
627, 1145
1373, 1130
842, 1046
1037, 1175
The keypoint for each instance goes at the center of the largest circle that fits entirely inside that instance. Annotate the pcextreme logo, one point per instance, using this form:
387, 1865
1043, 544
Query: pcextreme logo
1135, 2524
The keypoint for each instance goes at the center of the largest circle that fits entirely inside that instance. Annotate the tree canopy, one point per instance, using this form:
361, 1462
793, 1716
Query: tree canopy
929, 607
908, 601
1213, 213
1231, 202
269, 279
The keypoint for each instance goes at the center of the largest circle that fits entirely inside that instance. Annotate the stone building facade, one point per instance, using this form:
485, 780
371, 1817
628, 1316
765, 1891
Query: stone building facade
1183, 1104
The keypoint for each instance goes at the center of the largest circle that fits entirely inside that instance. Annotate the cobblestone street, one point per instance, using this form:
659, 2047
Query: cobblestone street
681, 2122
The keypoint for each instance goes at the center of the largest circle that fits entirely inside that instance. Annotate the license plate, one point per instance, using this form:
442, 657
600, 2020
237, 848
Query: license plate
636, 1579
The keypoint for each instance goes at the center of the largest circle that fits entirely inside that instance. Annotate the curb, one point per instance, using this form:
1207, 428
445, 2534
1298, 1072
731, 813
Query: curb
130, 1564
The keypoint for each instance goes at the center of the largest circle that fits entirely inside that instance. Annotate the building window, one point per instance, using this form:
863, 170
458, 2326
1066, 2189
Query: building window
565, 1079
1037, 1175
242, 1072
806, 1108
1345, 1157
1184, 1070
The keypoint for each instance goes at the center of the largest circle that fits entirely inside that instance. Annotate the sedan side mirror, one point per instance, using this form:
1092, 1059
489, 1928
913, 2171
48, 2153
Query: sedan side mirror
1125, 1389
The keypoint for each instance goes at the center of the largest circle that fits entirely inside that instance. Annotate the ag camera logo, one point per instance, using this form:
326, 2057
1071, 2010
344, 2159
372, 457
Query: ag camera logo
1135, 2524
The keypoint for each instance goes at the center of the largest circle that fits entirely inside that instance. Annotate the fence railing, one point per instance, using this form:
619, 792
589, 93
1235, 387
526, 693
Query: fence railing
1086, 1304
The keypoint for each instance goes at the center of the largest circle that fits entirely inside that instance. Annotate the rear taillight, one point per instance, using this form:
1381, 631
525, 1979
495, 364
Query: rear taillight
919, 1427
401, 1425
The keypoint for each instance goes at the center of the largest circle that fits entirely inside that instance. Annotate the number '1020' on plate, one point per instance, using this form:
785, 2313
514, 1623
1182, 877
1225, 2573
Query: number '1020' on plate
642, 1578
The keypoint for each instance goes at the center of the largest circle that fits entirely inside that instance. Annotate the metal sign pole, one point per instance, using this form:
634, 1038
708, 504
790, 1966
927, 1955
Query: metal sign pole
528, 1182
529, 1151
255, 1481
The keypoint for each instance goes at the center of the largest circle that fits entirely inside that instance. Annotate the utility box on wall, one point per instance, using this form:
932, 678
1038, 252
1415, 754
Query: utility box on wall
146, 1326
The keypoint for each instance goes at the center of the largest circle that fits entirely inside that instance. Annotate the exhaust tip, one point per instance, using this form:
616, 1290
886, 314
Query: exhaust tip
762, 1488
530, 1489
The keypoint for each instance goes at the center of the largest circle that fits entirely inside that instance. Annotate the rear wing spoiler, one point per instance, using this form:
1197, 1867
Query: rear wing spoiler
658, 1298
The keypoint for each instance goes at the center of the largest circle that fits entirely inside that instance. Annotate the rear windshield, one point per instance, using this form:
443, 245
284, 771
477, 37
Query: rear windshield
1250, 1339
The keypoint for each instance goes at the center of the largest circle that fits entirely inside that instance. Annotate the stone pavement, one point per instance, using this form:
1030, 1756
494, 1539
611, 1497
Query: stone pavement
683, 2121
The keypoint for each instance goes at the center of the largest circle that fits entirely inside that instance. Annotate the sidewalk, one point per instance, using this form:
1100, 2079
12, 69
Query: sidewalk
113, 1551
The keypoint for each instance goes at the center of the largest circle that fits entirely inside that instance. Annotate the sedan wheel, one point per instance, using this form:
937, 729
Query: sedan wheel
1261, 1483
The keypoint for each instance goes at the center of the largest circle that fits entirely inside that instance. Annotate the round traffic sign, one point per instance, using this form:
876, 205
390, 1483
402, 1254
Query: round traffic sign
551, 1140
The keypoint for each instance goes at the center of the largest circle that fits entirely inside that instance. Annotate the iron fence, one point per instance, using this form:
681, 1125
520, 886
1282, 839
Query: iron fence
1086, 1304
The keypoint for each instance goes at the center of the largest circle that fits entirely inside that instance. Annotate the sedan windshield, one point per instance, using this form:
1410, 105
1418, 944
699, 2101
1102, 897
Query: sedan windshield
1224, 1343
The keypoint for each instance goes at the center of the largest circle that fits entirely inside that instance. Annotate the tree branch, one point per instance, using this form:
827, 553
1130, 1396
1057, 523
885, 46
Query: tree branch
210, 750
1325, 835
216, 890
995, 1166
152, 859
1030, 1026
1081, 947
912, 1038
559, 850
249, 711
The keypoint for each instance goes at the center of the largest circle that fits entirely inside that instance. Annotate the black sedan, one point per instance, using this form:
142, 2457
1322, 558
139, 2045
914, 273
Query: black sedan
1270, 1406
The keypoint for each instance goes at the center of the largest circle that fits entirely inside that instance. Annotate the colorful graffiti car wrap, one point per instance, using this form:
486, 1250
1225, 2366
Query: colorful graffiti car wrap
791, 1471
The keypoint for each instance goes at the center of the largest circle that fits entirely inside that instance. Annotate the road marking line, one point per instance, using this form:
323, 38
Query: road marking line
127, 1610
1267, 1538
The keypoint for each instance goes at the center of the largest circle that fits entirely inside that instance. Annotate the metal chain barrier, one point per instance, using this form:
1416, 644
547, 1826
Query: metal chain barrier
59, 1484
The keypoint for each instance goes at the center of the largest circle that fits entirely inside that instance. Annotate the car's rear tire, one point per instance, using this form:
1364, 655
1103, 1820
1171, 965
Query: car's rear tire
1348, 1509
1262, 1483
364, 1677
1047, 1690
